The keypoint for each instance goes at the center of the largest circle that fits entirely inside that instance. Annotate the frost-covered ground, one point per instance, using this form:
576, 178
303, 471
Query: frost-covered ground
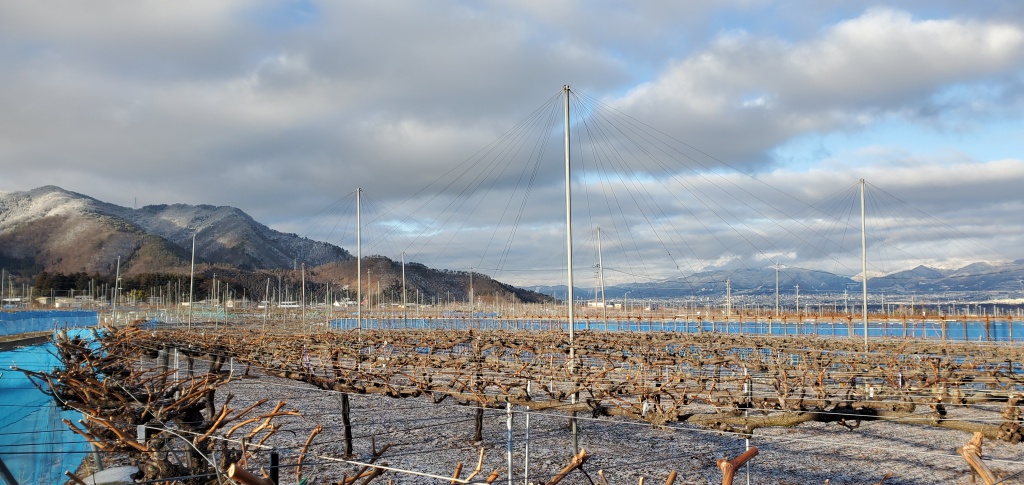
434, 438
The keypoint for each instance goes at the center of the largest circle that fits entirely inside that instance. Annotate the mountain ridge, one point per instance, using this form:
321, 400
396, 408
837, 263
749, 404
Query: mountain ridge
52, 229
995, 278
55, 229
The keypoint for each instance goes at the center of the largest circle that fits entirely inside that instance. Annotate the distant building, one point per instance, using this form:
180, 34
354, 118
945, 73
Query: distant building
64, 302
243, 303
604, 304
12, 302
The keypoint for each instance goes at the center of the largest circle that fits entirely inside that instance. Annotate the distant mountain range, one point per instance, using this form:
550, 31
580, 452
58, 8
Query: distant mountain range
60, 231
987, 277
1007, 278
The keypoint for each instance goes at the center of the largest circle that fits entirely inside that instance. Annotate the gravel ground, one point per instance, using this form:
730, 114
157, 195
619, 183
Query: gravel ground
433, 438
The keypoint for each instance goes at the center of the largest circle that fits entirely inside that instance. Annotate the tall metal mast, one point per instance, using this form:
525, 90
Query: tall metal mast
864, 263
405, 302
359, 264
568, 232
568, 243
600, 278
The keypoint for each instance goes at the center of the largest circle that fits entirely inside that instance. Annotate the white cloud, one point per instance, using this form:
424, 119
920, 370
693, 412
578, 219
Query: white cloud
113, 22
214, 102
882, 62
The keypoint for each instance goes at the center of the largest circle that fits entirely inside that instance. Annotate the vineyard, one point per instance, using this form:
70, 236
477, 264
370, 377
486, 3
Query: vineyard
732, 387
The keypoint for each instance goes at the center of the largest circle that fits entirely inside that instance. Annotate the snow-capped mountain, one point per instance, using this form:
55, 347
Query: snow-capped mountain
58, 230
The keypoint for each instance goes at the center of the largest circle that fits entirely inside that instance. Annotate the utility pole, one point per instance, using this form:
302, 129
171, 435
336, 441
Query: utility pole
117, 287
798, 303
776, 288
303, 294
192, 281
266, 304
728, 301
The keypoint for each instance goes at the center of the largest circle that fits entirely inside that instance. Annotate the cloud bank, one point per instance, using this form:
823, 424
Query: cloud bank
283, 108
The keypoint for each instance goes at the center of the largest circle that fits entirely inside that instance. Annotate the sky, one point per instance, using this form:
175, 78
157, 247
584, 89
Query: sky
773, 110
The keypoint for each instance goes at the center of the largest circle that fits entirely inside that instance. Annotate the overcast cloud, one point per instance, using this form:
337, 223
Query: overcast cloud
283, 108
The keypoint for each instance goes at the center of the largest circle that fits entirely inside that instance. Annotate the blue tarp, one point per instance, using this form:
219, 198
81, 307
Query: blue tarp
34, 444
45, 320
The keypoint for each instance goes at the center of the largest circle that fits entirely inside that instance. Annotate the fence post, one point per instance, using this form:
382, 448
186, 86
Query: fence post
346, 421
97, 459
275, 464
508, 424
478, 427
164, 357
526, 439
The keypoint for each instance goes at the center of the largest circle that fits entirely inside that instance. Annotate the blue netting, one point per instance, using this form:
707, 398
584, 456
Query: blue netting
43, 320
34, 444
